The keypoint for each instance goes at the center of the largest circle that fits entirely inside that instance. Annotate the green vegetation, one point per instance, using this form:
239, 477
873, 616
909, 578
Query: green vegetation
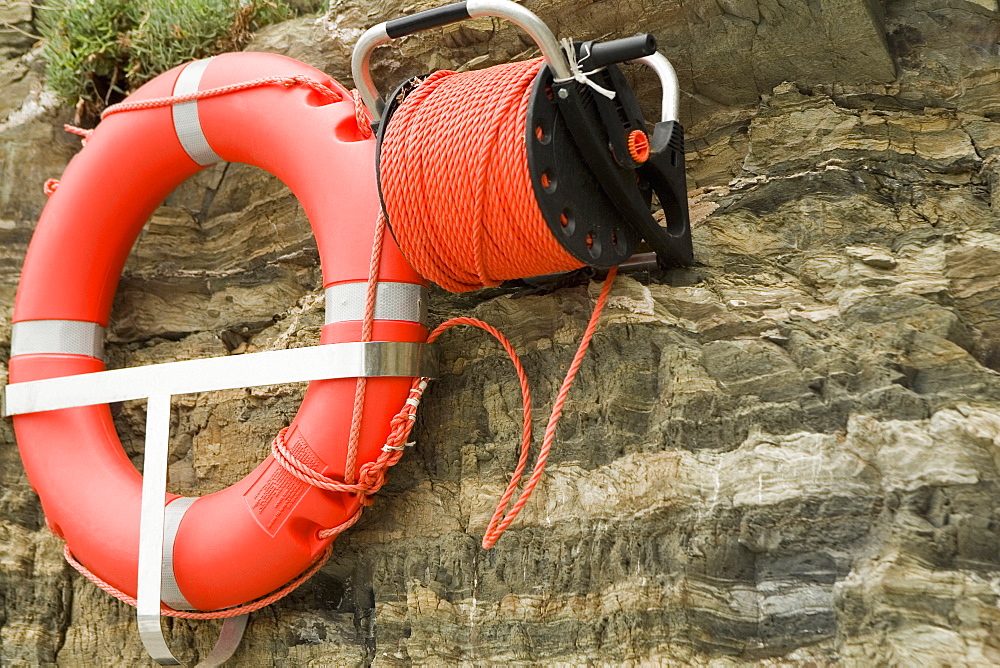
97, 50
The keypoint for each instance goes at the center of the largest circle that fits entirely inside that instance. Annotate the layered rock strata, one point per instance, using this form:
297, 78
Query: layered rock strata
785, 455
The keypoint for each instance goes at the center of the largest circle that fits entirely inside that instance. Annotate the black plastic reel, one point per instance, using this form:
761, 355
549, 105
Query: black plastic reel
575, 206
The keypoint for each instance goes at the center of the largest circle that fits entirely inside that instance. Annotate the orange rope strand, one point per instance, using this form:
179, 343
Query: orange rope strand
373, 474
297, 80
499, 523
367, 325
361, 115
215, 614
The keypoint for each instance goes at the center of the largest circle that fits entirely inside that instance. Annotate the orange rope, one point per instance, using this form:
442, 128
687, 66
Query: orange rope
373, 474
455, 180
216, 614
499, 523
367, 325
456, 186
361, 115
498, 526
84, 133
297, 80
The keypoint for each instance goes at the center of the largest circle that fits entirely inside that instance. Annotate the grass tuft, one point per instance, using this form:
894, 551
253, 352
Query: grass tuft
99, 50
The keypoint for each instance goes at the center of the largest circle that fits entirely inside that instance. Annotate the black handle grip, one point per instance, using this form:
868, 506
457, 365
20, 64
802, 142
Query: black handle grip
429, 18
617, 51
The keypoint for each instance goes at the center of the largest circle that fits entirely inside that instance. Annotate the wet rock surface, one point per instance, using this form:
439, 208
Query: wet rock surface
787, 454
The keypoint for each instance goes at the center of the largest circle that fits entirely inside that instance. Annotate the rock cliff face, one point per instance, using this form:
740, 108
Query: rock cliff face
788, 454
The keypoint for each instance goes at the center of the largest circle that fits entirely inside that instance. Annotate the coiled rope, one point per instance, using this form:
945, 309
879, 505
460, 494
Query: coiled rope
455, 181
329, 94
456, 186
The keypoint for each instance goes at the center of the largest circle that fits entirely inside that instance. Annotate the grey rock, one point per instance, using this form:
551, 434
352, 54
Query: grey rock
786, 455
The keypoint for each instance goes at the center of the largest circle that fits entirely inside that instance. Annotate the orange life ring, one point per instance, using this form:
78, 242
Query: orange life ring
245, 541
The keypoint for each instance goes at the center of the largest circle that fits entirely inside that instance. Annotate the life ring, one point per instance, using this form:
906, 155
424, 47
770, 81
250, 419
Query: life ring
240, 543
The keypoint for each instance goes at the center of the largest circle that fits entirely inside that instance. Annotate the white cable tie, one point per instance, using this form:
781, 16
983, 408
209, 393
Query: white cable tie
413, 402
391, 448
579, 75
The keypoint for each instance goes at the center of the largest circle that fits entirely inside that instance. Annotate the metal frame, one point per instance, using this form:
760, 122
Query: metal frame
505, 9
670, 105
157, 383
335, 360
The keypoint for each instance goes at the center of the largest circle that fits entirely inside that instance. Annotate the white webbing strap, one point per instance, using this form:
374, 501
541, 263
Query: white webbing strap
67, 337
274, 367
185, 114
229, 640
158, 523
154, 489
156, 551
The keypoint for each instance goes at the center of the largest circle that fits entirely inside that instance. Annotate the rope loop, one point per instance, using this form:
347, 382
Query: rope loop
502, 517
328, 93
372, 475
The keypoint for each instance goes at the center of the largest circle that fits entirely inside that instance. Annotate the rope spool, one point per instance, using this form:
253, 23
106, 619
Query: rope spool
457, 190
510, 172
455, 180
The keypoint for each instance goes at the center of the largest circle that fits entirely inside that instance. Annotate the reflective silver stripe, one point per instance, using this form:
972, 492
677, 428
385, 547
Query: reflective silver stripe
170, 592
69, 337
186, 121
393, 301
